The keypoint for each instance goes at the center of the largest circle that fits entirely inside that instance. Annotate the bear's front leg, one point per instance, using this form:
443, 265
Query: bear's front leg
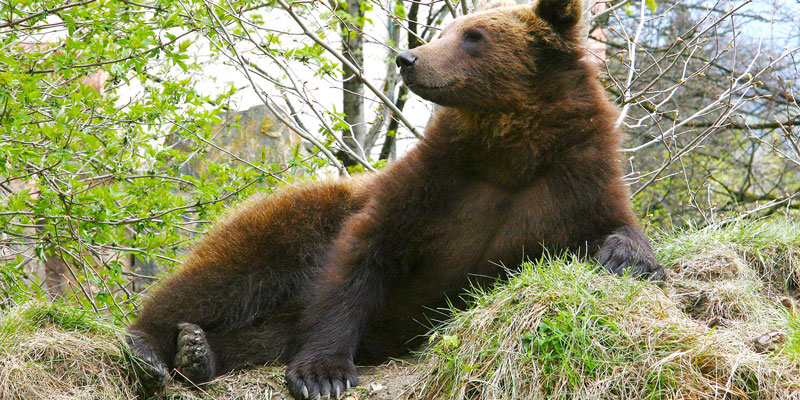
347, 294
334, 323
628, 249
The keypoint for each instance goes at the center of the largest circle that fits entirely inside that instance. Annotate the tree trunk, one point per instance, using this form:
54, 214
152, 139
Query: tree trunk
55, 279
353, 89
146, 269
388, 148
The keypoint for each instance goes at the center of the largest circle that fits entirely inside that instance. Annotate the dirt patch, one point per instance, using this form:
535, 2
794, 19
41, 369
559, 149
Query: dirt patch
389, 381
718, 287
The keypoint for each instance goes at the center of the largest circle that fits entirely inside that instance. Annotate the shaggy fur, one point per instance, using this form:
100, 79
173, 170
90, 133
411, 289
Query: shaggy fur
521, 159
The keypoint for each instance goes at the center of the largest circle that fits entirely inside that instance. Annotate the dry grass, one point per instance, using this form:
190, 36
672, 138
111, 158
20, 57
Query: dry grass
560, 329
54, 352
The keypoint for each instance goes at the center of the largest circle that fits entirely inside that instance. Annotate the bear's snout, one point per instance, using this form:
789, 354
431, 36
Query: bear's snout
406, 60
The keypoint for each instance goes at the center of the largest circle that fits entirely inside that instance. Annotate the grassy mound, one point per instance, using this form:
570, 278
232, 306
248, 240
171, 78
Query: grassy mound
49, 351
725, 325
54, 351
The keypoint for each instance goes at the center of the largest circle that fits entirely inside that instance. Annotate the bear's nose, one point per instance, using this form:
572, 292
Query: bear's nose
406, 60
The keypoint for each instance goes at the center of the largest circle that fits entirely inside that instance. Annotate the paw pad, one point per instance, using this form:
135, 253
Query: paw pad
194, 359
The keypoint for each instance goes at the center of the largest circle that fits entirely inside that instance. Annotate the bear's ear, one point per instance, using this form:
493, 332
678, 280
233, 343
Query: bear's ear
490, 4
560, 14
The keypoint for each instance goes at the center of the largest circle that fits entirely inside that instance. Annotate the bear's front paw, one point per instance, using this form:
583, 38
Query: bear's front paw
315, 376
629, 251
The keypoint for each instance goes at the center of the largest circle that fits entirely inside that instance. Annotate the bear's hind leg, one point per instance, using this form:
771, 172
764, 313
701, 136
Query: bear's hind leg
259, 344
202, 355
150, 372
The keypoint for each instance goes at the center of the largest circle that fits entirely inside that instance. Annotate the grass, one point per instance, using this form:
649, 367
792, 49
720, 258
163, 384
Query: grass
559, 329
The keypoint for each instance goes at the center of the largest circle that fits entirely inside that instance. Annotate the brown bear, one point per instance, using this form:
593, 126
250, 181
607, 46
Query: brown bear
521, 159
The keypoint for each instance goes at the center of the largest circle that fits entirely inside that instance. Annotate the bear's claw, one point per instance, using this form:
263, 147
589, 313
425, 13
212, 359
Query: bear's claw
628, 250
194, 358
318, 378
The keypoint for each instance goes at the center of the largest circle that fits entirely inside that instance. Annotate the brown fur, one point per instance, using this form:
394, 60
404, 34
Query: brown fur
522, 159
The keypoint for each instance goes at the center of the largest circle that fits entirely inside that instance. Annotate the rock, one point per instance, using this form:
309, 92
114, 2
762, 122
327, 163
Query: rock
254, 135
769, 341
790, 305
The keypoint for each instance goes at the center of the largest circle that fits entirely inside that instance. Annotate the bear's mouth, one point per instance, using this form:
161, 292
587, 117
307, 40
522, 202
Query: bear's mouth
423, 86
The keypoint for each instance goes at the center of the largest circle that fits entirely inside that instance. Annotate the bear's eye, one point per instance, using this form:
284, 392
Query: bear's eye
473, 36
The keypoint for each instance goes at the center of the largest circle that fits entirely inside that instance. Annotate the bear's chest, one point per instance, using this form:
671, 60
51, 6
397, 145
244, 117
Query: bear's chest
471, 238
486, 226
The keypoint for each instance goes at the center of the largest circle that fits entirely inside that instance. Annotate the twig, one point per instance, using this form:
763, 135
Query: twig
397, 113
53, 10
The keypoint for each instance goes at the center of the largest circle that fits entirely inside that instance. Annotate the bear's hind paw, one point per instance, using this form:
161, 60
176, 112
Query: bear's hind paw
194, 359
149, 372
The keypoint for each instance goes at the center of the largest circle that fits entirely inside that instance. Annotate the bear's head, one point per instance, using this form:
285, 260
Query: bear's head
498, 58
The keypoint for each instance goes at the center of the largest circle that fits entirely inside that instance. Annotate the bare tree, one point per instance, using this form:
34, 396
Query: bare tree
703, 98
702, 93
